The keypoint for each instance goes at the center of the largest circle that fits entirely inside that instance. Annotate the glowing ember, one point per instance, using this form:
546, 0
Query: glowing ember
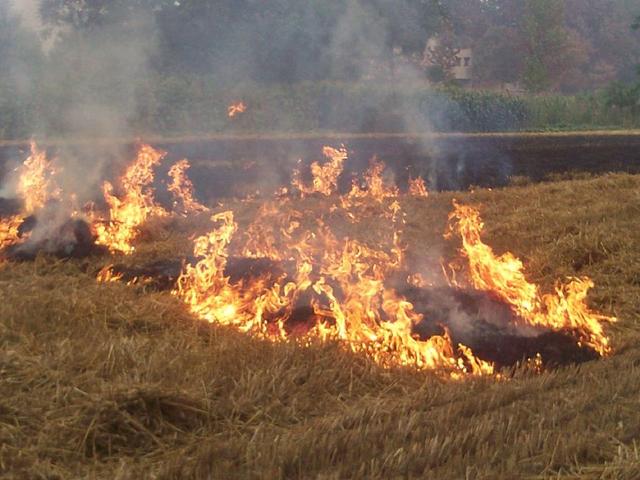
181, 188
236, 108
417, 188
127, 213
504, 276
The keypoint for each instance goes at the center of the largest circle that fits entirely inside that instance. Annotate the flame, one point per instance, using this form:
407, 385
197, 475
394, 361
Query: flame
373, 192
181, 188
106, 275
9, 230
325, 177
236, 108
375, 186
344, 278
504, 276
35, 185
417, 188
127, 213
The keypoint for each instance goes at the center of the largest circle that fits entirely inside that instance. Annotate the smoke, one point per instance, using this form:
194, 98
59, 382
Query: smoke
87, 87
96, 82
28, 12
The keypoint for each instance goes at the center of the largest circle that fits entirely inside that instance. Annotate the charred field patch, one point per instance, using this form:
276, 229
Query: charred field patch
116, 381
448, 161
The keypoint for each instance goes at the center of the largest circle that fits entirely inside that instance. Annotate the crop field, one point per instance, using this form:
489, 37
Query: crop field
110, 380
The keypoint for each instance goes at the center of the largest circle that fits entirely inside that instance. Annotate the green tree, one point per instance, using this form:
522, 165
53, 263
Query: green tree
546, 42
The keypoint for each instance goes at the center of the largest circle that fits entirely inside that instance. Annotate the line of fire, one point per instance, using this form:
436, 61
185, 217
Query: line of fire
290, 273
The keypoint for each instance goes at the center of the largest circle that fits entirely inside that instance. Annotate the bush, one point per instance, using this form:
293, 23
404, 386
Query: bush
179, 105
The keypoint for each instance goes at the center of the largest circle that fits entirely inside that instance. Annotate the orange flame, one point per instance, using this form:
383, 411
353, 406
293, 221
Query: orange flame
375, 187
181, 188
35, 186
417, 188
344, 279
236, 108
325, 177
374, 191
106, 275
126, 214
9, 230
504, 276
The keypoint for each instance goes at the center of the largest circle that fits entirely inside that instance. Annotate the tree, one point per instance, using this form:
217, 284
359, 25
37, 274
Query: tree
546, 43
498, 57
440, 56
264, 41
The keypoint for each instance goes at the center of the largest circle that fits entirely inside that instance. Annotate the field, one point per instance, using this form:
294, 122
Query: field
110, 381
449, 161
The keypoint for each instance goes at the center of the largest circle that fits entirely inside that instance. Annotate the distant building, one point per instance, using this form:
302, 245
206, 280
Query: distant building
455, 61
463, 68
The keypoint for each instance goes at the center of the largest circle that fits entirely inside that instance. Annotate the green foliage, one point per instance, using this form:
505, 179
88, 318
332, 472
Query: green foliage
584, 111
623, 96
326, 106
193, 105
546, 42
536, 75
177, 105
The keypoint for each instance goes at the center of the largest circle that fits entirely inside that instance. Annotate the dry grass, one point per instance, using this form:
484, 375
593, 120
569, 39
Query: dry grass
110, 381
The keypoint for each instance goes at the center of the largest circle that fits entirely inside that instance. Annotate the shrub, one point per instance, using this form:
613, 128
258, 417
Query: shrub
177, 105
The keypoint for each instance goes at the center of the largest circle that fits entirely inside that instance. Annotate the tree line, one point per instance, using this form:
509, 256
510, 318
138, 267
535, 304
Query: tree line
560, 45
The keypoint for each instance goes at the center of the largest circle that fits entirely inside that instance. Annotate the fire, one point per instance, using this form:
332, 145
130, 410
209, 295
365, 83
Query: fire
328, 287
35, 186
366, 316
181, 188
236, 108
344, 278
205, 288
417, 188
325, 177
9, 231
106, 275
136, 205
373, 192
504, 276
375, 186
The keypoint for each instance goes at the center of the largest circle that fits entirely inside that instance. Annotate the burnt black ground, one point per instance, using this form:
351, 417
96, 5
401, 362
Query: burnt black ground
236, 166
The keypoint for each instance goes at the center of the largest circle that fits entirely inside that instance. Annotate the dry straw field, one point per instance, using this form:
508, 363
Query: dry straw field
106, 380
